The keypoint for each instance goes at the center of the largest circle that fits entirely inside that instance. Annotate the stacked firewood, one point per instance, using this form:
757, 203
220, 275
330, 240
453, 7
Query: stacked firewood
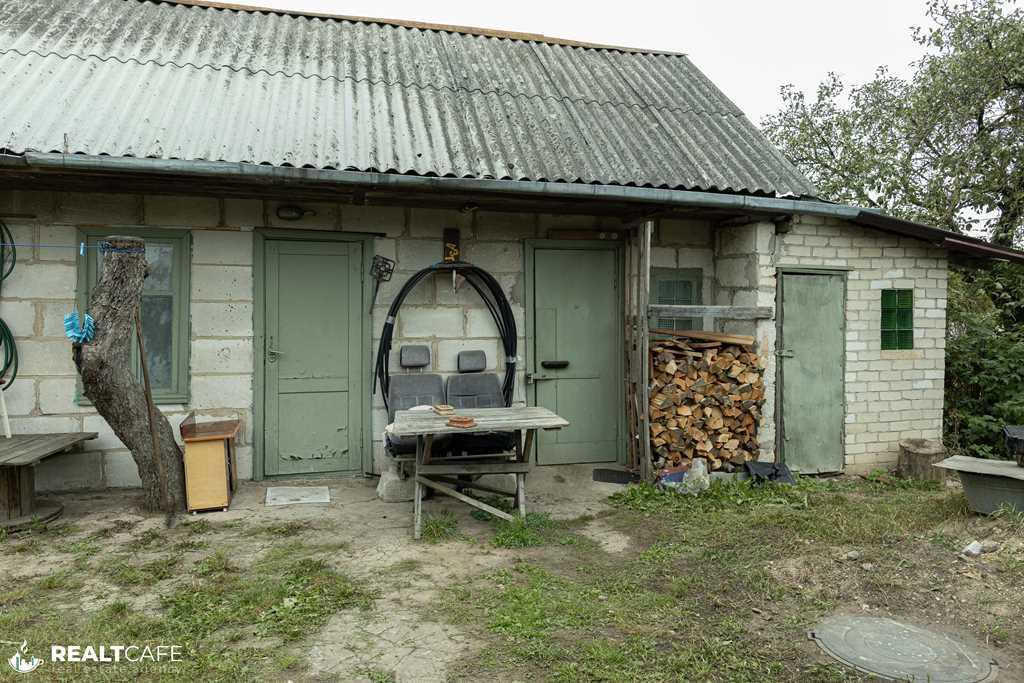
705, 399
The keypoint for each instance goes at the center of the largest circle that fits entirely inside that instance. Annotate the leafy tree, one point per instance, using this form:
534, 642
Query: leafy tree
943, 147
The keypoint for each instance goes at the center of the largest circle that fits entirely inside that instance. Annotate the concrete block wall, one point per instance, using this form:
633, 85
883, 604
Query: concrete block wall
42, 289
687, 244
452, 320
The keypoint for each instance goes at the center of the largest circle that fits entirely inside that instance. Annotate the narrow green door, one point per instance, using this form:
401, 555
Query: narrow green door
811, 350
576, 360
313, 357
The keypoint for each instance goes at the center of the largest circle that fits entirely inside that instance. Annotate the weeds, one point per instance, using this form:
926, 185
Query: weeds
523, 532
440, 527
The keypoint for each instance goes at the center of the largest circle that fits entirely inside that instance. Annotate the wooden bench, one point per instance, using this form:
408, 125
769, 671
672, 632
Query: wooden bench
18, 457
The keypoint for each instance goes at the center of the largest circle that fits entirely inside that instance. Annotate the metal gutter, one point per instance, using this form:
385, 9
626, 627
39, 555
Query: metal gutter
368, 182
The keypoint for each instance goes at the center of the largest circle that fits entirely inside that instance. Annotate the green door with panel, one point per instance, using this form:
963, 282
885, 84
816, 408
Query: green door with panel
576, 359
811, 351
313, 357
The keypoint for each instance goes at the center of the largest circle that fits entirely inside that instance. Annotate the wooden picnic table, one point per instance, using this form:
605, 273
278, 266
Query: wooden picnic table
18, 457
442, 474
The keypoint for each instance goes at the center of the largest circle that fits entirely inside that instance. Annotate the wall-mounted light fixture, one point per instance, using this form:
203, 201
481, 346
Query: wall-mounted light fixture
293, 212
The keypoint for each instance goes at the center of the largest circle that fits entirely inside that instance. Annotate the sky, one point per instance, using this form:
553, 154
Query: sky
748, 48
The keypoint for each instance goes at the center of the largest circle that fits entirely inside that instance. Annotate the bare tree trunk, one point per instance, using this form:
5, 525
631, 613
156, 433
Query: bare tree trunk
109, 382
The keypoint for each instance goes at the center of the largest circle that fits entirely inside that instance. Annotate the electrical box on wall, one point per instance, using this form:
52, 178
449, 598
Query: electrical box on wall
452, 249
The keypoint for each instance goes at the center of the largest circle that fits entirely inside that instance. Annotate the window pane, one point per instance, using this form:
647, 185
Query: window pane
158, 334
160, 258
889, 318
889, 340
889, 298
905, 318
905, 298
906, 339
684, 295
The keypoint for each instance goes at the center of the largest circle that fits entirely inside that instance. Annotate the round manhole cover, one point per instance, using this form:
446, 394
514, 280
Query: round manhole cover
901, 652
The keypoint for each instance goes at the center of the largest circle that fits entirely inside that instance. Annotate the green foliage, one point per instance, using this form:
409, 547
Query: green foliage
942, 147
984, 359
523, 532
440, 527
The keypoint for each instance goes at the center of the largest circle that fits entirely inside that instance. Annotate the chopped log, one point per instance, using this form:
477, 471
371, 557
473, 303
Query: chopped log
705, 400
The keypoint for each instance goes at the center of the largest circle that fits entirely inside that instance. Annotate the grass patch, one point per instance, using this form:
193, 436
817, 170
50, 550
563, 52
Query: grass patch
523, 532
63, 579
198, 527
724, 587
217, 563
121, 572
284, 596
440, 527
375, 675
285, 529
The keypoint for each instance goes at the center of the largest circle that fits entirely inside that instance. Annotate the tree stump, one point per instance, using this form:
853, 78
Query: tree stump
917, 457
109, 381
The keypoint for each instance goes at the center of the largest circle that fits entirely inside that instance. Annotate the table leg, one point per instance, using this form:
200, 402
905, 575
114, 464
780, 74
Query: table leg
417, 514
521, 493
528, 448
427, 448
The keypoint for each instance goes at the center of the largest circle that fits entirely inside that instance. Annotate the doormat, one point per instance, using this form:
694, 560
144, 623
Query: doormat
297, 495
901, 652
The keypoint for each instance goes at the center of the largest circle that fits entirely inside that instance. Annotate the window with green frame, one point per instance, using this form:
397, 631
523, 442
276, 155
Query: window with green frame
897, 319
676, 287
165, 306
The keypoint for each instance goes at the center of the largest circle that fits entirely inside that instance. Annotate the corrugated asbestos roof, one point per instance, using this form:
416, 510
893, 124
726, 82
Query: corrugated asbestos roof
144, 79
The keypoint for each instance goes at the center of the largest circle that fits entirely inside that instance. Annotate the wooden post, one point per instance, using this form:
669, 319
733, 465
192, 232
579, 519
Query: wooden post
643, 324
17, 492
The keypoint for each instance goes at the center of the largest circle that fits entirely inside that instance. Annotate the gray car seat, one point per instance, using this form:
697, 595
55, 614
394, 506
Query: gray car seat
413, 389
473, 388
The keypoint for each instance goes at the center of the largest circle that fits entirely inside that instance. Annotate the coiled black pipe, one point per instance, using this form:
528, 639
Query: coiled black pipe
494, 299
8, 349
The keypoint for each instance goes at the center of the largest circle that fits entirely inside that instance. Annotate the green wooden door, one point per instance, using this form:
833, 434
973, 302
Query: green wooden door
576, 318
811, 350
313, 357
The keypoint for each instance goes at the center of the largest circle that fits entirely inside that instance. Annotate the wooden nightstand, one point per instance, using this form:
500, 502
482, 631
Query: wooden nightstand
210, 470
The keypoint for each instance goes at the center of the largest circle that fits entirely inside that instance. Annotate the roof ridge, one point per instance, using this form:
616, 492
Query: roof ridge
374, 81
423, 25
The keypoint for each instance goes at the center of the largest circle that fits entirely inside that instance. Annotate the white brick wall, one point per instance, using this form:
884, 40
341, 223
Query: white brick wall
890, 395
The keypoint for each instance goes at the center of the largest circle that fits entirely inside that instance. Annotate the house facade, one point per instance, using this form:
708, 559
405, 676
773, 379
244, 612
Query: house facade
601, 186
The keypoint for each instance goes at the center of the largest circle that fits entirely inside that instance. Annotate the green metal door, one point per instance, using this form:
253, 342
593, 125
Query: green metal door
811, 350
576, 359
313, 357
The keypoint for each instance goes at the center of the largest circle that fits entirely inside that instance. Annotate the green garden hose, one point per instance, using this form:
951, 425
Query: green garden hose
8, 349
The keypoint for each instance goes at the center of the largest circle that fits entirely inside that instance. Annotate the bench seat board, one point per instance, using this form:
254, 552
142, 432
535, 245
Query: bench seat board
28, 449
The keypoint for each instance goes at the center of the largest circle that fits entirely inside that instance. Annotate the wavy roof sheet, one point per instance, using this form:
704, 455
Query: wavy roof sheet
152, 79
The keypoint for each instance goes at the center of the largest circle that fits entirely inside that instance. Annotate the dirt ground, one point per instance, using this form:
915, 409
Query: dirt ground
638, 588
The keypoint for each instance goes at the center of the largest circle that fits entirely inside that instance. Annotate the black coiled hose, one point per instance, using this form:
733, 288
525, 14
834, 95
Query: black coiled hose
8, 349
493, 297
